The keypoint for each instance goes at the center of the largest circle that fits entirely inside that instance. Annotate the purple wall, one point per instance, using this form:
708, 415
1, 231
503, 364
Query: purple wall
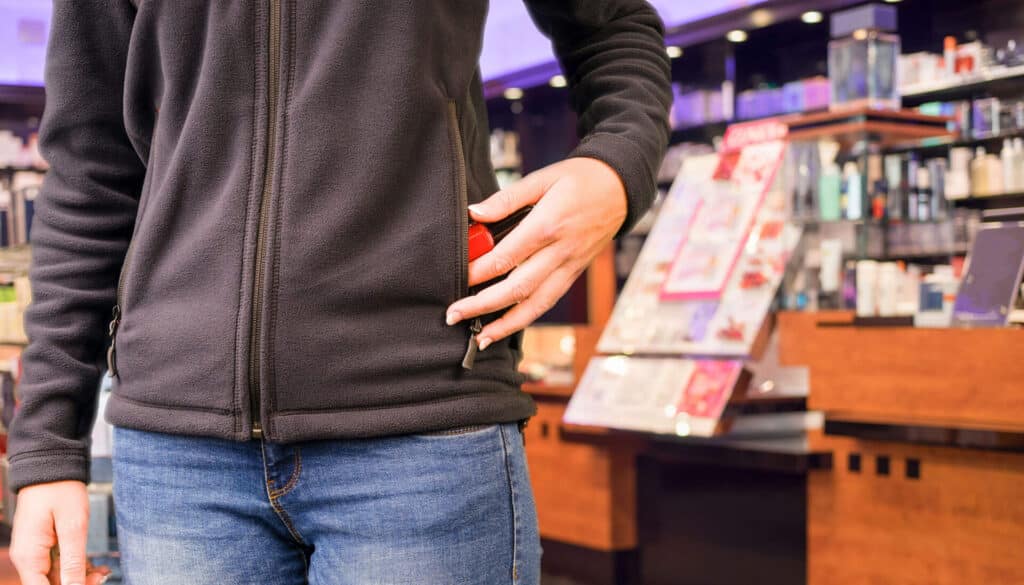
512, 43
24, 26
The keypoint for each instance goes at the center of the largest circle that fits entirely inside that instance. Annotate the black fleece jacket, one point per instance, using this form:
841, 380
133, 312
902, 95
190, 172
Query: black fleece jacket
261, 208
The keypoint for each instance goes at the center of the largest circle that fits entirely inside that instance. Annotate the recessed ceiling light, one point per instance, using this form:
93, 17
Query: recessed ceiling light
674, 52
761, 18
892, 1
812, 17
558, 81
736, 36
513, 93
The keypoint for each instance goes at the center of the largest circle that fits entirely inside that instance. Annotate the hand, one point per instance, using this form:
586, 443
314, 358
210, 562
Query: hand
579, 206
47, 514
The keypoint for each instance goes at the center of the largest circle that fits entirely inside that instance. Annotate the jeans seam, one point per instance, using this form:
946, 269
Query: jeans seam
286, 520
513, 496
292, 481
273, 496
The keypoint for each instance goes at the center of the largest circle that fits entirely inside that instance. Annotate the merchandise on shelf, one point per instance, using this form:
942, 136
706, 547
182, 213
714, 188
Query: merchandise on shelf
863, 58
703, 106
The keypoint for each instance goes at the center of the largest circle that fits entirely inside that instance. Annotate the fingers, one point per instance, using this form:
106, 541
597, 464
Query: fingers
97, 576
532, 308
72, 531
533, 234
521, 283
32, 538
525, 191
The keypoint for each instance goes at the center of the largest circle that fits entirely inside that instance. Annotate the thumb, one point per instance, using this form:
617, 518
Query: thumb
525, 191
72, 532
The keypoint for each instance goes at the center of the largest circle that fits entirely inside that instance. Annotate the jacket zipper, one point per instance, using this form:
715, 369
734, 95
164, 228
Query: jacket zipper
115, 321
273, 81
458, 156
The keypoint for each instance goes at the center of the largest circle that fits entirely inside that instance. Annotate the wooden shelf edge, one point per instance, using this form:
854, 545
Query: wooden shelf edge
962, 434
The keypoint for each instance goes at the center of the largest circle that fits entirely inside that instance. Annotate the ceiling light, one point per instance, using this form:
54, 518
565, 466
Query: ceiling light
860, 34
513, 93
761, 18
674, 52
736, 36
558, 81
812, 17
892, 1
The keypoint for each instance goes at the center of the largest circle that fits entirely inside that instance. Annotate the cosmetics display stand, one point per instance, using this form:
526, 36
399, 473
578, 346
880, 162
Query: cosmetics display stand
926, 427
605, 495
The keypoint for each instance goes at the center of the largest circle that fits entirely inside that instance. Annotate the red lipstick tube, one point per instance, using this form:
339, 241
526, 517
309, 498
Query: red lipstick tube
483, 237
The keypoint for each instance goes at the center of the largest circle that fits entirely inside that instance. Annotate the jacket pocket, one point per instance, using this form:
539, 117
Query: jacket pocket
118, 310
458, 155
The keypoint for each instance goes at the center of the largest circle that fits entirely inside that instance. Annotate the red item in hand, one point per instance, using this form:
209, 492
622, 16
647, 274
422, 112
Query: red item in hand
483, 237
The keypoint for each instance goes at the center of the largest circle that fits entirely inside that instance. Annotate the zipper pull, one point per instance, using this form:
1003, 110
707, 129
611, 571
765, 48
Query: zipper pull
111, 352
473, 347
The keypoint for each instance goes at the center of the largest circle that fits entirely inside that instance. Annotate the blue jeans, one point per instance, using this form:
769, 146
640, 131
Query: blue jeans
441, 509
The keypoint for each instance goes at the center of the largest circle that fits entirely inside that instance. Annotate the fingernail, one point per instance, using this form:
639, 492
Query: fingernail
476, 209
484, 342
453, 317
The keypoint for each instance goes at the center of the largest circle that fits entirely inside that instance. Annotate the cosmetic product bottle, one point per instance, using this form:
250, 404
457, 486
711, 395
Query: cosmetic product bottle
894, 179
888, 288
863, 58
958, 179
1007, 158
877, 188
940, 206
1018, 164
867, 288
979, 174
854, 184
994, 168
830, 182
911, 187
949, 56
924, 194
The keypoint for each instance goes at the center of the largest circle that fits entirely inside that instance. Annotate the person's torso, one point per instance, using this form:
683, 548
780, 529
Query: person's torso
302, 225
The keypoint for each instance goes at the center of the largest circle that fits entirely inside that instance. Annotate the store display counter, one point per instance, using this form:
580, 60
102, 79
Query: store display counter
623, 507
926, 427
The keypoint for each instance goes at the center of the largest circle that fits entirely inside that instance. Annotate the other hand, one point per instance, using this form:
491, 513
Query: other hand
52, 515
579, 206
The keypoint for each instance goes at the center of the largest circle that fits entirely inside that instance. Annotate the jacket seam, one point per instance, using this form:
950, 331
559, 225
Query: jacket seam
39, 453
222, 411
388, 407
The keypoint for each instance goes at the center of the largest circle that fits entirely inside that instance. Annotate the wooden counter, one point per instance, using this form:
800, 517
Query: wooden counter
926, 428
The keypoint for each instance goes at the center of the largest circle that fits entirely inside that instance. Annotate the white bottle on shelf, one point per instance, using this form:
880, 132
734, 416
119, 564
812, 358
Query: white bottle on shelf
1018, 164
1009, 168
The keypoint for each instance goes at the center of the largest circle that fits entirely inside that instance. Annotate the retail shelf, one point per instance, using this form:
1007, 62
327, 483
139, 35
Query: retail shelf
962, 87
931, 432
884, 127
1000, 201
953, 142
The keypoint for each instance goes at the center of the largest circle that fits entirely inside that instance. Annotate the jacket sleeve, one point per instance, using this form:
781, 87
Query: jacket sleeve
84, 217
613, 55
